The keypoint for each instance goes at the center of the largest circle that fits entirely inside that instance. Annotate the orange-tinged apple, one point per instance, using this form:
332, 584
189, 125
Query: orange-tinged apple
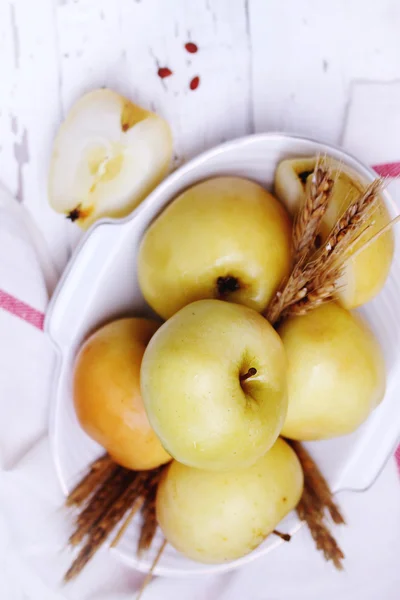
107, 398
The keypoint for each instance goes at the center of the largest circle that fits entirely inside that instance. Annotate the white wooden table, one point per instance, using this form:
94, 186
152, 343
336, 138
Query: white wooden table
263, 65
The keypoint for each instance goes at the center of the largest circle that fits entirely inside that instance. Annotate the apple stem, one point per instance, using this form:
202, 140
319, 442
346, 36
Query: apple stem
286, 537
250, 373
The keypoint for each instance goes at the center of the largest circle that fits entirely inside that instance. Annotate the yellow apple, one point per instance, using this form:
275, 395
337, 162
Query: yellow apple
364, 274
213, 381
225, 238
107, 397
108, 155
217, 517
336, 373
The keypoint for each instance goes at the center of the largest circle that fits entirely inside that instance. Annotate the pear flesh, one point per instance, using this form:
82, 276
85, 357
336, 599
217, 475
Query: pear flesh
107, 156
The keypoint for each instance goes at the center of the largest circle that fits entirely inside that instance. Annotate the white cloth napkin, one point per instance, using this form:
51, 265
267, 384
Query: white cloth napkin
33, 525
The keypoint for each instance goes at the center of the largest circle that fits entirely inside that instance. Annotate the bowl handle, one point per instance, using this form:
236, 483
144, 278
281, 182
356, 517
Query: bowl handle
65, 313
377, 445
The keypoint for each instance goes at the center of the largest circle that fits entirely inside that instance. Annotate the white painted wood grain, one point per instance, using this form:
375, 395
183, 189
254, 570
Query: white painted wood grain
219, 108
307, 53
30, 110
121, 44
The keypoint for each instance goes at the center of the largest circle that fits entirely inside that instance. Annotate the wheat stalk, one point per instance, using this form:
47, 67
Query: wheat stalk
305, 230
289, 293
110, 491
113, 513
137, 505
316, 481
98, 472
315, 501
105, 496
149, 515
324, 540
149, 575
323, 272
309, 217
351, 222
313, 284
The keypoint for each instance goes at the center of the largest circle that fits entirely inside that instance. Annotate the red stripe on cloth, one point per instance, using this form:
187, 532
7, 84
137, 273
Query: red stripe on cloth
397, 457
388, 169
20, 309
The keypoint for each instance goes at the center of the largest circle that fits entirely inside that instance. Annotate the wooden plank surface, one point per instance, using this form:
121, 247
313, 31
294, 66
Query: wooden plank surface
30, 110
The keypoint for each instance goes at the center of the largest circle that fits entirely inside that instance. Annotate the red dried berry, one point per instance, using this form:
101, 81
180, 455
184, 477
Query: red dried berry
194, 84
164, 72
191, 47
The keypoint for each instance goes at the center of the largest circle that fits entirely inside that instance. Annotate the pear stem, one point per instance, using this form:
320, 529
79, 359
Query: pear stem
250, 373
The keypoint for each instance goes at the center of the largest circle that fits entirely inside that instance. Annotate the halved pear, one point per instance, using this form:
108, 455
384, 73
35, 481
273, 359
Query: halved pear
364, 274
107, 156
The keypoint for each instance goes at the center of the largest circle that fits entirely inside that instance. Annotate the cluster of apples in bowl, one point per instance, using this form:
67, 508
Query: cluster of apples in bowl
210, 388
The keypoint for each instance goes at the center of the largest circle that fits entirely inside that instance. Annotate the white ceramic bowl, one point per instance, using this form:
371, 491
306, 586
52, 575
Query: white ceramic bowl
100, 284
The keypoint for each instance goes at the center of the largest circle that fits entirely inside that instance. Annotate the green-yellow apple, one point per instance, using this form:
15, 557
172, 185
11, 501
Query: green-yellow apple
217, 517
365, 273
107, 397
108, 155
225, 238
213, 381
336, 373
